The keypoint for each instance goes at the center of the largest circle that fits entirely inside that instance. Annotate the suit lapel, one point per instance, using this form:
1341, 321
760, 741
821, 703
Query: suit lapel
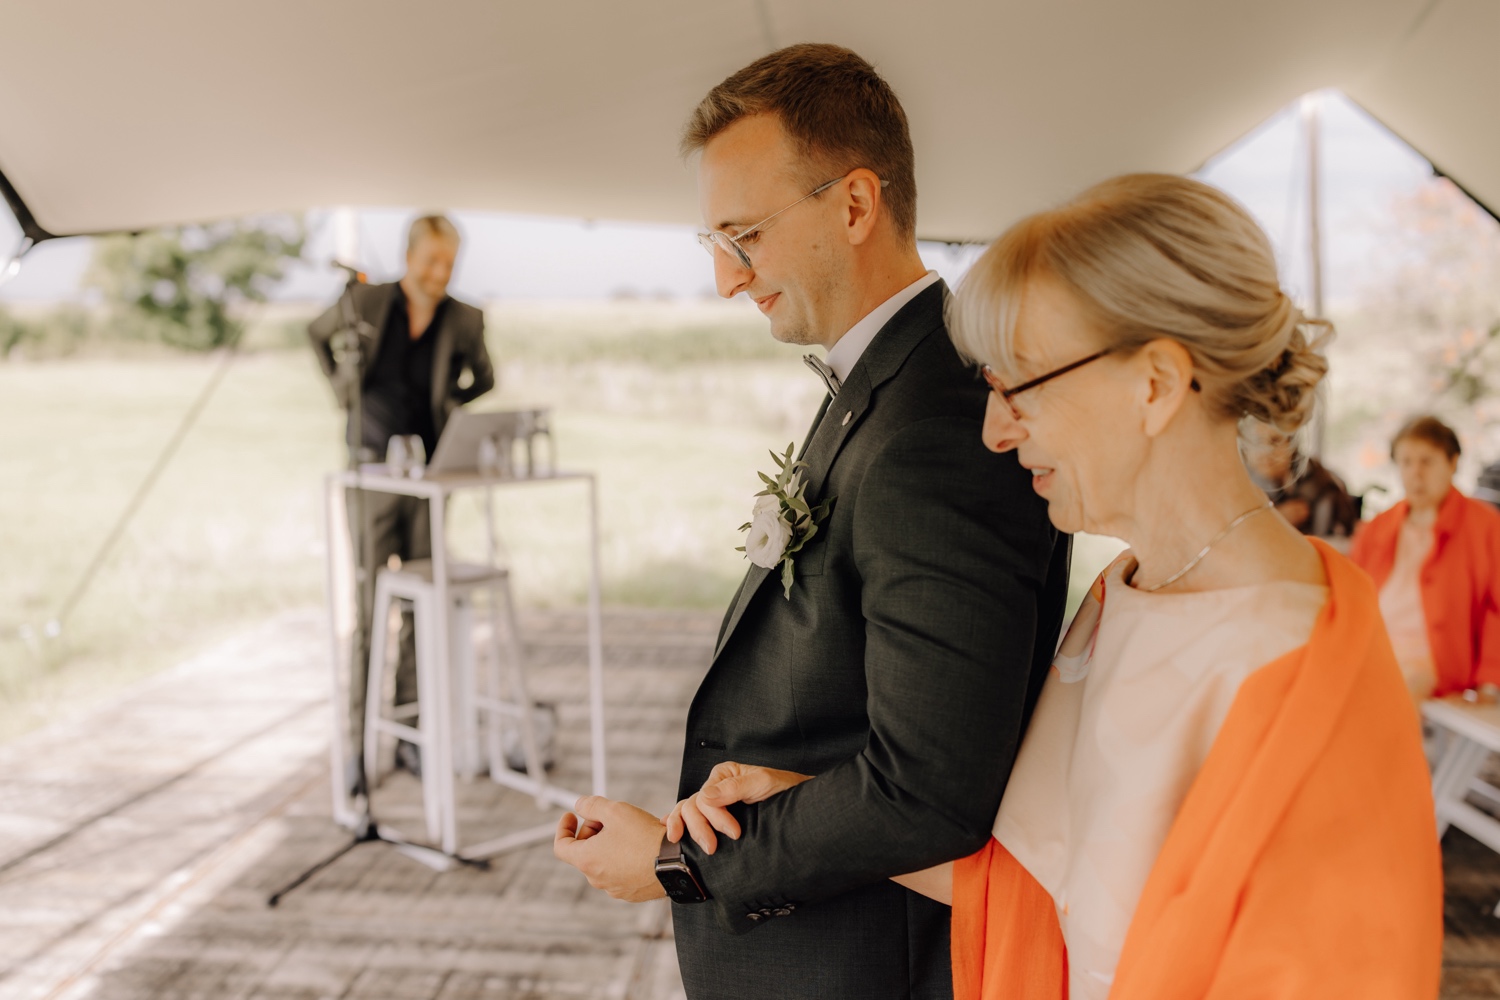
442, 360
830, 431
387, 295
811, 431
842, 415
838, 423
754, 577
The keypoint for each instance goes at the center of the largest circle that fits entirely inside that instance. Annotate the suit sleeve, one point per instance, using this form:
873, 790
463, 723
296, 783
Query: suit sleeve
953, 548
320, 331
479, 364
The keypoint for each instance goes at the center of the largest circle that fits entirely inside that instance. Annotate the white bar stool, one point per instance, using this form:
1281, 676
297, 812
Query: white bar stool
448, 693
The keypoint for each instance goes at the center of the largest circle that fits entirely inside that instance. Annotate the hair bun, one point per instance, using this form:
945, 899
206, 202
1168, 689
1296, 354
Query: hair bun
1284, 394
1151, 256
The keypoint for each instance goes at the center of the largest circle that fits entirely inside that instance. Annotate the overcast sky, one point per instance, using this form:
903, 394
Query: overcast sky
528, 257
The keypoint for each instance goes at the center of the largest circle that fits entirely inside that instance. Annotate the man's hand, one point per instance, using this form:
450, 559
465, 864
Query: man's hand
707, 810
615, 845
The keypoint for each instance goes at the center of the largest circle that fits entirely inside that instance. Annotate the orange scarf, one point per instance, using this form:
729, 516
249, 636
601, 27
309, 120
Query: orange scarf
1304, 862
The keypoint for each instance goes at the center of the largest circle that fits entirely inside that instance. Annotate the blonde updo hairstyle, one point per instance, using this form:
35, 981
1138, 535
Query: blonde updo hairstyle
1157, 255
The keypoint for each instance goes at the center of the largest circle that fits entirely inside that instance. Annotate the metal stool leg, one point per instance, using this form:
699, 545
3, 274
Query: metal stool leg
430, 722
521, 694
461, 650
440, 744
1451, 784
375, 683
494, 692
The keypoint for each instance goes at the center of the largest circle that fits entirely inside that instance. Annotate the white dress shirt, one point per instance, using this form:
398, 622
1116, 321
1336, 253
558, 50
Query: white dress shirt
851, 345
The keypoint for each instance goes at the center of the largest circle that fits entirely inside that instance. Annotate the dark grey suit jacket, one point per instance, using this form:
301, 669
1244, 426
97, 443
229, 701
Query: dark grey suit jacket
459, 347
901, 672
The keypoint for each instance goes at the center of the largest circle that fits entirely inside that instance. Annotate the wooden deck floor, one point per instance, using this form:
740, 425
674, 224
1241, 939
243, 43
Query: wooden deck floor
138, 844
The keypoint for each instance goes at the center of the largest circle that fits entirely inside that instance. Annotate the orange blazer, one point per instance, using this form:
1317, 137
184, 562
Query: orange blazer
1303, 865
1460, 586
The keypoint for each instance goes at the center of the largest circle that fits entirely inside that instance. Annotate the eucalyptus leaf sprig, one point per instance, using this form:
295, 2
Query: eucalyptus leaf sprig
783, 521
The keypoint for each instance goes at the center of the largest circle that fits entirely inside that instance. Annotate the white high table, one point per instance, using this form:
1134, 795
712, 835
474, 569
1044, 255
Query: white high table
435, 491
1473, 733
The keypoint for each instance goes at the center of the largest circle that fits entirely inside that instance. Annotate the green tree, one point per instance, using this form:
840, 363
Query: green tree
188, 285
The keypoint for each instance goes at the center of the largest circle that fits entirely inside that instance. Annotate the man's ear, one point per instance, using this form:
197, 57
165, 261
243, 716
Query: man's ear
865, 205
1168, 367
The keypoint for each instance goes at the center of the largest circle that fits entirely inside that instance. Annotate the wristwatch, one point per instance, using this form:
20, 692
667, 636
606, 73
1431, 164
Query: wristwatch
677, 876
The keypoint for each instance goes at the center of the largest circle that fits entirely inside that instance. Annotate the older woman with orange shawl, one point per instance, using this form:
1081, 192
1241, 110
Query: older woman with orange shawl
1435, 559
1222, 792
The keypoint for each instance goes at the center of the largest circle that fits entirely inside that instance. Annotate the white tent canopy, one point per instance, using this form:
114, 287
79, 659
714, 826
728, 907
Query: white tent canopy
126, 116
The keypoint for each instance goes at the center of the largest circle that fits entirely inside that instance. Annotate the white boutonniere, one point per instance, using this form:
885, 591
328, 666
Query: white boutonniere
782, 522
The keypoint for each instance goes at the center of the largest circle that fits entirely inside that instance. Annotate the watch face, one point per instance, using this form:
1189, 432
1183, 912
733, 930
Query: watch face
680, 885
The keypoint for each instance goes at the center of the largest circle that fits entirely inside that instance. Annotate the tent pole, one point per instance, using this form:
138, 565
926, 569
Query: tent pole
30, 228
1311, 125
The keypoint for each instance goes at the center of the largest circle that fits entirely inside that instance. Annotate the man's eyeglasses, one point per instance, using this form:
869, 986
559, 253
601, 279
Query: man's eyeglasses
731, 244
998, 387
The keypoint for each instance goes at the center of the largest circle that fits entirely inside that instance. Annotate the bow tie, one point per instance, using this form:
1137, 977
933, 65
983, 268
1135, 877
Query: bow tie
825, 373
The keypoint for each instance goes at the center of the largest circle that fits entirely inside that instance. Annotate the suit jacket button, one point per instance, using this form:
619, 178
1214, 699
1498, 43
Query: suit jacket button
783, 912
752, 916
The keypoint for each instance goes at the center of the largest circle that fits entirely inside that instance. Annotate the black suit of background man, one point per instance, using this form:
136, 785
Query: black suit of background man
900, 672
413, 377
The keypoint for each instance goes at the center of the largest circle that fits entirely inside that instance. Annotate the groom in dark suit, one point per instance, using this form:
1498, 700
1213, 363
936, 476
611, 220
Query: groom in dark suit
902, 665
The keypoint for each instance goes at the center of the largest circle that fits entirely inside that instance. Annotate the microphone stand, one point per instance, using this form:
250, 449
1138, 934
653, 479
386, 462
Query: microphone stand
348, 345
367, 831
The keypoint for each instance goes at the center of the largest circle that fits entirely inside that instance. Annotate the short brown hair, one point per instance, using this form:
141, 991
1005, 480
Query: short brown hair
1431, 430
426, 226
837, 110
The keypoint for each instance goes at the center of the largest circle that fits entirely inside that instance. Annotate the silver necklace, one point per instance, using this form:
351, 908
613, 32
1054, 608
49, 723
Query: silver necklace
1211, 543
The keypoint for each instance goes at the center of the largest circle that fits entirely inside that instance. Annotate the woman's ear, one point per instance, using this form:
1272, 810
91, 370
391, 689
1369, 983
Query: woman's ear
1169, 373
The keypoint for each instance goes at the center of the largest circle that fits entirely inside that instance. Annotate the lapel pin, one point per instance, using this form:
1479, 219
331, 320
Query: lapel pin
847, 416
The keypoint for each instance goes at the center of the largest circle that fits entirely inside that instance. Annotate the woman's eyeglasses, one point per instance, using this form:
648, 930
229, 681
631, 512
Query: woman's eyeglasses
998, 387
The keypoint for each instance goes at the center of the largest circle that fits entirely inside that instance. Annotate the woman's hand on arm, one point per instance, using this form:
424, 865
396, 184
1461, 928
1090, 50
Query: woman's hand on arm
707, 810
705, 814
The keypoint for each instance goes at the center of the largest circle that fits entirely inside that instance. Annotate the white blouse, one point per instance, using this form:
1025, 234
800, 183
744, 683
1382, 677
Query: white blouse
1124, 722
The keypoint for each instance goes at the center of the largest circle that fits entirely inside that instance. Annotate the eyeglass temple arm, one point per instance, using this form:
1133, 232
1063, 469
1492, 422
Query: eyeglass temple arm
817, 190
1008, 393
715, 236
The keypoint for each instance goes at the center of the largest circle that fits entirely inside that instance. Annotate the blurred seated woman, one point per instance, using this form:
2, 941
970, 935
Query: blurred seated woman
1222, 791
1435, 557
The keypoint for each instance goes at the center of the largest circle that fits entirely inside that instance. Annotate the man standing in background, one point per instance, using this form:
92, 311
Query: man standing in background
1308, 495
413, 373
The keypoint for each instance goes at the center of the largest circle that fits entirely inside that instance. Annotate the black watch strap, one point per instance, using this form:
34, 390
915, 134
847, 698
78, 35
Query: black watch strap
669, 851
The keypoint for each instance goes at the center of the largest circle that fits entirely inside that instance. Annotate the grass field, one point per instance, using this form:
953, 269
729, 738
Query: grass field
674, 406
